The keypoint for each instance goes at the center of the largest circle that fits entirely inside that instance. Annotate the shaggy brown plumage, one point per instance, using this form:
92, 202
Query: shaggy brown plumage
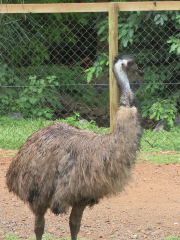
61, 165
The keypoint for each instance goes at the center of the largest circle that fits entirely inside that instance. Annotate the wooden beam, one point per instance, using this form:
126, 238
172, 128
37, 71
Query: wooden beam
113, 50
149, 6
89, 7
54, 8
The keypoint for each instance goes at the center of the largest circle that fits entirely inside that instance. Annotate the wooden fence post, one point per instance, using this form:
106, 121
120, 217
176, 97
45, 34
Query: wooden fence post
113, 50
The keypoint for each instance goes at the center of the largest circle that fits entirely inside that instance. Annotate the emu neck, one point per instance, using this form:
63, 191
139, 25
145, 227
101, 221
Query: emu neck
123, 81
124, 86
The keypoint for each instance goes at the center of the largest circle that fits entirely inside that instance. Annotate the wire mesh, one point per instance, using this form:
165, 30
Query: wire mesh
153, 38
47, 60
43, 59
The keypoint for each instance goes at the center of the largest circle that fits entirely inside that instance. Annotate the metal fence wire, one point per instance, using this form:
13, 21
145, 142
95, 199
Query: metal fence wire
43, 61
52, 65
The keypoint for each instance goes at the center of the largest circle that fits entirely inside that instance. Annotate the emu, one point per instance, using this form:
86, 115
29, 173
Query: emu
62, 166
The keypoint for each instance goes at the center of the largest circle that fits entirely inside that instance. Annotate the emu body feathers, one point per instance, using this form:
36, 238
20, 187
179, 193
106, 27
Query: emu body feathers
61, 165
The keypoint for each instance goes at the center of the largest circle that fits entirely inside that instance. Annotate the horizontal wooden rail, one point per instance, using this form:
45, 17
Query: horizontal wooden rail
88, 7
149, 6
54, 8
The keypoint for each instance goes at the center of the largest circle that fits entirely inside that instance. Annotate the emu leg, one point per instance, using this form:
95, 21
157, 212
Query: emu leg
39, 226
75, 220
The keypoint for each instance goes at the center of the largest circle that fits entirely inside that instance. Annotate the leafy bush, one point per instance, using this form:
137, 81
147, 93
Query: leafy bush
66, 77
99, 68
32, 97
39, 95
35, 39
175, 47
163, 109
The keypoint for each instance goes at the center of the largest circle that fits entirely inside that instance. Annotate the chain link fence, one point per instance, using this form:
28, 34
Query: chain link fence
52, 65
43, 62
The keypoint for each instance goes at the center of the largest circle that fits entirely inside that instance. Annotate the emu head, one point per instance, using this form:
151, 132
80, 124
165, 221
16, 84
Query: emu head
125, 63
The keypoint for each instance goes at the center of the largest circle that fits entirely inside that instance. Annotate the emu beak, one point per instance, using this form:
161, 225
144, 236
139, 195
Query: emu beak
135, 68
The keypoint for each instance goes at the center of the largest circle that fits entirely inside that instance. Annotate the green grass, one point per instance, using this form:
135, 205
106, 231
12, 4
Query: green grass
159, 157
172, 238
14, 132
11, 236
164, 140
162, 147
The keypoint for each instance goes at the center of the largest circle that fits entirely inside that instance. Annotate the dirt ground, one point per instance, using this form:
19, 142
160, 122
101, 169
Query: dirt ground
149, 209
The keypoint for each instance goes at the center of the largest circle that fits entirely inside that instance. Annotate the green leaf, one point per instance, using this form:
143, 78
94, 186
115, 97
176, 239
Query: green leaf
101, 30
130, 32
103, 39
157, 16
161, 21
24, 99
144, 114
152, 115
89, 77
178, 50
125, 41
173, 47
123, 32
46, 55
33, 100
42, 82
164, 16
